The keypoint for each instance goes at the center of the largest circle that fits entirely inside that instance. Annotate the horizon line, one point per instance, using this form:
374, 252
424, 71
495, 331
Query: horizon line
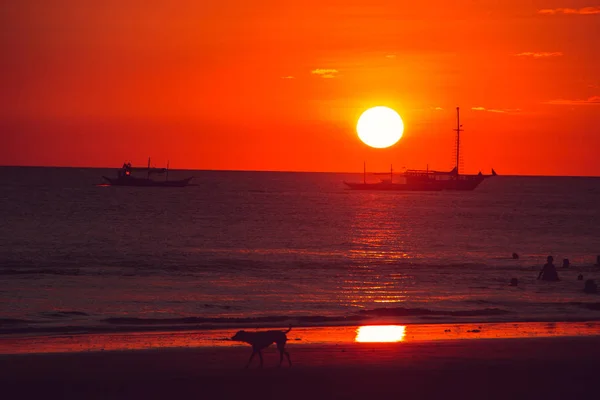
285, 171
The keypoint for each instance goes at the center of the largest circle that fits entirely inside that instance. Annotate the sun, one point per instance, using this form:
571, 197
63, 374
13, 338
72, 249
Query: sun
380, 127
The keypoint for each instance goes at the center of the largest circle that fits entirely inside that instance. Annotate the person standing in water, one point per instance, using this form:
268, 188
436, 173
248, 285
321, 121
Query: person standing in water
548, 272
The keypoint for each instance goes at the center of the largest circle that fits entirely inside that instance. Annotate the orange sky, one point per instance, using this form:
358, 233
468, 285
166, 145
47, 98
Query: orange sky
279, 85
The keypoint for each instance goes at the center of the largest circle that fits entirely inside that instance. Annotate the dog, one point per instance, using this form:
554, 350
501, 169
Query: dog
262, 340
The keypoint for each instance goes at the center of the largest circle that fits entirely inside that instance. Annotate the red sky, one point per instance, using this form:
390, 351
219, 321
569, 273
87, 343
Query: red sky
279, 85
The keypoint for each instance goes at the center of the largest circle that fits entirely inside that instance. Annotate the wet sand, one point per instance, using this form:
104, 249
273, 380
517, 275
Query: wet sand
525, 368
321, 335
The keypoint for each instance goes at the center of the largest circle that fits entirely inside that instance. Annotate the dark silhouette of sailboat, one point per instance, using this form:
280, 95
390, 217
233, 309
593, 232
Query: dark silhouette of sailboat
427, 180
125, 177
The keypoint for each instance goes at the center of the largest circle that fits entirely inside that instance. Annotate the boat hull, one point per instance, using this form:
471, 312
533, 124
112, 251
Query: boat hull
142, 182
392, 186
462, 183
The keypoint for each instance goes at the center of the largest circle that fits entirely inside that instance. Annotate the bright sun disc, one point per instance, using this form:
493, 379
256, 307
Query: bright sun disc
380, 127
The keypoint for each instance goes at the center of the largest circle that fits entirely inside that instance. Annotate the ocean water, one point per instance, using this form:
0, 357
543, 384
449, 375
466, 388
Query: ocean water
273, 248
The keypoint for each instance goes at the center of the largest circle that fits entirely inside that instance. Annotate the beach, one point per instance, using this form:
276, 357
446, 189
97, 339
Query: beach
525, 368
526, 360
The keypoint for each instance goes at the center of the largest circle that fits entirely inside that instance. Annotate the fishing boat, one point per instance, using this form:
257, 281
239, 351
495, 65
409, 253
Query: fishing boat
125, 177
389, 184
426, 180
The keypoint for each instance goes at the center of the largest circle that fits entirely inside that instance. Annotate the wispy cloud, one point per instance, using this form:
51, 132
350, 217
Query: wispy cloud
576, 11
539, 54
437, 108
288, 77
594, 100
487, 109
495, 110
327, 73
390, 56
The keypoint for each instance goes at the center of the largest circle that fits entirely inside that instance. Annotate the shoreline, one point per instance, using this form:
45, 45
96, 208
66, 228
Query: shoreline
299, 336
413, 316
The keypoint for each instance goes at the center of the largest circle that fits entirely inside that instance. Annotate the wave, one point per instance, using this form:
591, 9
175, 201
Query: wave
12, 321
306, 319
41, 271
78, 322
64, 314
408, 312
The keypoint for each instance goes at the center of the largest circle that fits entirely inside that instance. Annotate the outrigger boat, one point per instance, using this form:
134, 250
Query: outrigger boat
125, 177
426, 180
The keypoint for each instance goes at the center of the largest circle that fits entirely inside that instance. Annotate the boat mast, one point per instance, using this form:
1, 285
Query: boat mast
391, 174
167, 177
458, 131
364, 172
148, 167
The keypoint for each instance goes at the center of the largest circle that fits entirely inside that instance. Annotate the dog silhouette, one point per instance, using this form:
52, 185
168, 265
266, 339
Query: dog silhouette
262, 340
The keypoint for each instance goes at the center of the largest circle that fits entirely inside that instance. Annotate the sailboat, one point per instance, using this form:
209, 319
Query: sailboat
427, 180
125, 177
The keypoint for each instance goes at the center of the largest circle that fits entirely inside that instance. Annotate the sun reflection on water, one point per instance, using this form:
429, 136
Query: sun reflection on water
380, 333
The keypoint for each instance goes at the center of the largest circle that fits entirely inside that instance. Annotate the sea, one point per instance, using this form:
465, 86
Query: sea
258, 249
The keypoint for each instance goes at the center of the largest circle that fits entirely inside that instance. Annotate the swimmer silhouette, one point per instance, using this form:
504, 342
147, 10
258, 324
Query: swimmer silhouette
548, 272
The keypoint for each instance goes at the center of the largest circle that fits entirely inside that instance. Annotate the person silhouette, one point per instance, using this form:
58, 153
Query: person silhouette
548, 272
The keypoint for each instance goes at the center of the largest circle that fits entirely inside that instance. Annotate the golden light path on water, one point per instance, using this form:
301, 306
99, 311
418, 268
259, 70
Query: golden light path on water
380, 333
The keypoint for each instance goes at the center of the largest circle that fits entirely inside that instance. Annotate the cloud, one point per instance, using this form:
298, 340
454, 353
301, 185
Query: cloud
288, 77
539, 54
494, 110
594, 100
327, 73
437, 108
391, 56
576, 11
